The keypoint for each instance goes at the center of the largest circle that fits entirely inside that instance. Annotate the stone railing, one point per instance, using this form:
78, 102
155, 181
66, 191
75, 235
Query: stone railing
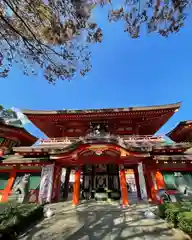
183, 145
143, 138
55, 141
100, 136
106, 137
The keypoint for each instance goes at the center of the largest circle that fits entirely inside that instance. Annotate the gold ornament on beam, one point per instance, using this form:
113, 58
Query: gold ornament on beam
98, 152
123, 153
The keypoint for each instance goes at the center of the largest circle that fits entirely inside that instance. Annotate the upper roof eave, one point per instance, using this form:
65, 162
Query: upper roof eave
32, 138
130, 109
181, 124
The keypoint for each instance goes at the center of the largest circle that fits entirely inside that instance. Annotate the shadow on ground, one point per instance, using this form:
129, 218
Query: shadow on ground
101, 222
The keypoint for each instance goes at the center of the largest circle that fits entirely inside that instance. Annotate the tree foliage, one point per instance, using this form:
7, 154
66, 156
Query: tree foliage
9, 117
46, 33
164, 17
55, 34
7, 113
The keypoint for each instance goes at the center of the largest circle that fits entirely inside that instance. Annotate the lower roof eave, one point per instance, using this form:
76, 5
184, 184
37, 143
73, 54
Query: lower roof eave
25, 162
183, 157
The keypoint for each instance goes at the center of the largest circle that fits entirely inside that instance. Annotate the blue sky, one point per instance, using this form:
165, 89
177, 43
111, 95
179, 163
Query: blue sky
126, 72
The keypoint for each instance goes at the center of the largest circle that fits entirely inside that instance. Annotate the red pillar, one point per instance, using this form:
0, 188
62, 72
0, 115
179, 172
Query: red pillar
123, 184
76, 188
159, 180
149, 185
136, 174
9, 185
156, 182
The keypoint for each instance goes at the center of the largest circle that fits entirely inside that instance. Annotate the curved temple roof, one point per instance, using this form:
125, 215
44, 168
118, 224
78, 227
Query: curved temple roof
120, 121
103, 110
182, 132
9, 131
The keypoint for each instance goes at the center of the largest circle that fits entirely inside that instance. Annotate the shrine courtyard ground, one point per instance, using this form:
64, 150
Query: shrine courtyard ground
101, 221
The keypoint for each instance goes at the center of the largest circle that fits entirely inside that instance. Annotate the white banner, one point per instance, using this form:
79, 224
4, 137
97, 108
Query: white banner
142, 182
46, 184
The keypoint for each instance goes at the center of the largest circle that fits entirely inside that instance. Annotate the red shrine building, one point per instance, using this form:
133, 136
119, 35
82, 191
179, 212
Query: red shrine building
99, 147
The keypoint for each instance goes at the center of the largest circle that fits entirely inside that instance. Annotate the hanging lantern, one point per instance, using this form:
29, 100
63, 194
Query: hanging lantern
1, 152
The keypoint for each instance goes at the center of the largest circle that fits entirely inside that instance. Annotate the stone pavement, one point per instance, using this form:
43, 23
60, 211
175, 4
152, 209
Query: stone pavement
101, 221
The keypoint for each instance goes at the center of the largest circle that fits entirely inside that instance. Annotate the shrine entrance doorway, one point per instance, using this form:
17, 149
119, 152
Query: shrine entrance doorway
132, 187
101, 181
104, 182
